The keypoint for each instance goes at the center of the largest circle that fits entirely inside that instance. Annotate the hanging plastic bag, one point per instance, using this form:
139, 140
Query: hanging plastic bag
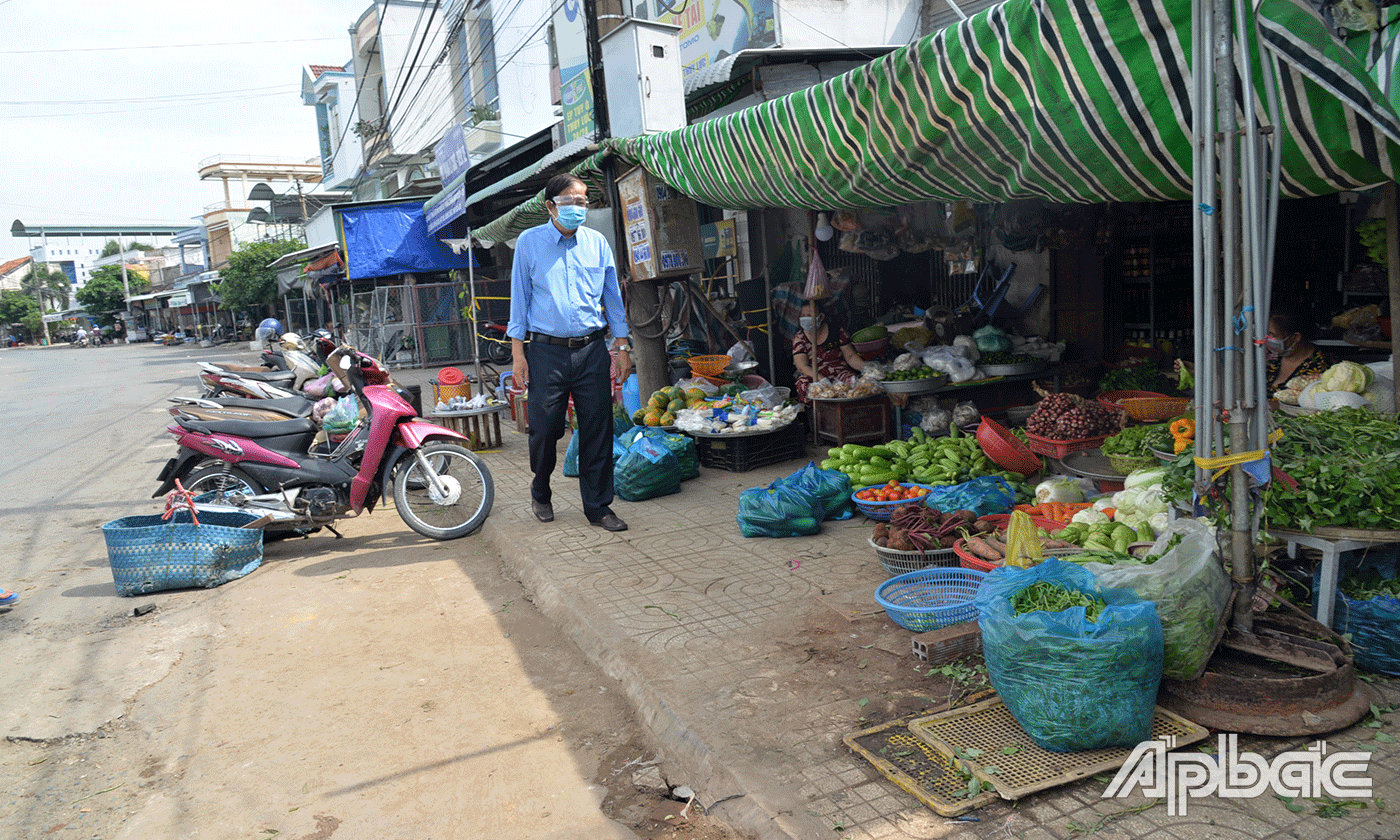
1190, 588
983, 496
1070, 683
647, 470
779, 511
831, 487
321, 386
816, 279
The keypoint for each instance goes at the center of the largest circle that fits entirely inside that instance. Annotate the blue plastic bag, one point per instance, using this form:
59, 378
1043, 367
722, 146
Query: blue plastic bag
646, 470
779, 511
571, 455
831, 487
1372, 623
1070, 684
983, 496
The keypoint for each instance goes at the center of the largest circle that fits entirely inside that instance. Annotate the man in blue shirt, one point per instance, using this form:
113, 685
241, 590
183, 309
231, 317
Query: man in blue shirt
565, 297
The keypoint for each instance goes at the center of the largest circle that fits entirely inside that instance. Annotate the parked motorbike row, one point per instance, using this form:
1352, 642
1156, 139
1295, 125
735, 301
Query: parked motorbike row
251, 444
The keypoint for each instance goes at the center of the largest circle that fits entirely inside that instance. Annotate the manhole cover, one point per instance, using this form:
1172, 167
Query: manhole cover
1005, 757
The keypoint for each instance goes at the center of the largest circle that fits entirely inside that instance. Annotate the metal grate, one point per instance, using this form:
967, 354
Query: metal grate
919, 769
989, 727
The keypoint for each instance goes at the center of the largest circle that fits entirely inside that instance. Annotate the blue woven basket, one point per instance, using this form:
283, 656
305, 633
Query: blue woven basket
930, 598
149, 554
884, 510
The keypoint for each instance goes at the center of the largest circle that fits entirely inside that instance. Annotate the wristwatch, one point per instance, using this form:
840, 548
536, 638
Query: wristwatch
625, 345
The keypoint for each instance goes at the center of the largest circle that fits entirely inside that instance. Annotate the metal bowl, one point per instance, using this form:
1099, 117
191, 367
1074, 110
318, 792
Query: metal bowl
739, 368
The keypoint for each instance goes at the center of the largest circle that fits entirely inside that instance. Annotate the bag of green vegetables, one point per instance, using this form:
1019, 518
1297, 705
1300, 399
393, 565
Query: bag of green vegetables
1078, 665
1188, 583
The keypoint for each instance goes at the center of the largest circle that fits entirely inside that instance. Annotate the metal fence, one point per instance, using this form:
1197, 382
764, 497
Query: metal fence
410, 325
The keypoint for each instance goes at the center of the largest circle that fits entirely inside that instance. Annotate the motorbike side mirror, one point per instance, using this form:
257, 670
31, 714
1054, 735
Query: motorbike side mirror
344, 362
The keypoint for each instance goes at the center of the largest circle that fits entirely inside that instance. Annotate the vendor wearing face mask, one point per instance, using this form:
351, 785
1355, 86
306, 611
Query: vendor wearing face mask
1288, 351
834, 357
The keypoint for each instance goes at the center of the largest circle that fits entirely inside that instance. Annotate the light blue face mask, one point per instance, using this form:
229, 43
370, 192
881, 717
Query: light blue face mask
571, 216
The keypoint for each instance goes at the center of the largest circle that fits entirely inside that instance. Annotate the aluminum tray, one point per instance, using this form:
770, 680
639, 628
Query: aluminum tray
1090, 463
1016, 369
914, 386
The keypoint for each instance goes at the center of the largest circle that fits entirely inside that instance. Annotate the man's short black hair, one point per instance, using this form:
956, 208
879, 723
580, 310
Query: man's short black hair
559, 183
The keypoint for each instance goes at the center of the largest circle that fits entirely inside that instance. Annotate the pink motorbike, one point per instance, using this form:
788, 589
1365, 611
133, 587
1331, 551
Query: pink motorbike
300, 480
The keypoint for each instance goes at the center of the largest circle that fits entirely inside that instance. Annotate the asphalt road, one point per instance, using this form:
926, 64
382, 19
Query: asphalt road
379, 686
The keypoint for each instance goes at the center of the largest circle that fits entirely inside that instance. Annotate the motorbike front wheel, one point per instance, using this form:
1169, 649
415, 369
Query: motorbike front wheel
461, 499
497, 352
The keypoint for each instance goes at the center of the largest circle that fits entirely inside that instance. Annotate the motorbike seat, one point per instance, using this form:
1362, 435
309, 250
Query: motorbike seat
290, 406
249, 428
278, 377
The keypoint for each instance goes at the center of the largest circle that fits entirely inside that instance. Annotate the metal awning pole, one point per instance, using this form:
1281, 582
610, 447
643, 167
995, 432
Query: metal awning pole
471, 292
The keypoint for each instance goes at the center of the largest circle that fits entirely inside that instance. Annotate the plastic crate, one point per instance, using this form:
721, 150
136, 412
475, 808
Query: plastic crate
1061, 448
741, 453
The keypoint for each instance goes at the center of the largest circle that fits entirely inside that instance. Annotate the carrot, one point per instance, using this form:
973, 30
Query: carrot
977, 547
1109, 512
1033, 510
1055, 511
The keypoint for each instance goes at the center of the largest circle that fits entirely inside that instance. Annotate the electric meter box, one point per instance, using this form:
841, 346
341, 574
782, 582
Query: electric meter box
642, 71
662, 227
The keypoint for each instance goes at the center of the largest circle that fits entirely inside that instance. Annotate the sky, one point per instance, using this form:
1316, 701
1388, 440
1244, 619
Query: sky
107, 109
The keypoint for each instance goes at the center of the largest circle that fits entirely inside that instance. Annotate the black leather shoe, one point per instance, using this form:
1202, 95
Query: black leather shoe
609, 523
544, 511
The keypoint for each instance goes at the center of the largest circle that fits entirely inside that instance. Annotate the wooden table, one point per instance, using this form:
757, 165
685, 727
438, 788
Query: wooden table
481, 426
862, 419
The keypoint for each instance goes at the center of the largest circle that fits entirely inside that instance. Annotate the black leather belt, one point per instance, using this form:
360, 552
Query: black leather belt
573, 342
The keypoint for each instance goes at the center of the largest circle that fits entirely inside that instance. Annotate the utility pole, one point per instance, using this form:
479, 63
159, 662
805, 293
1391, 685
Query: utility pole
126, 285
39, 289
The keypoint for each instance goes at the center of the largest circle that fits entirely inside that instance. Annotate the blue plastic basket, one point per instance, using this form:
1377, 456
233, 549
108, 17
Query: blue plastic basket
149, 554
930, 598
884, 510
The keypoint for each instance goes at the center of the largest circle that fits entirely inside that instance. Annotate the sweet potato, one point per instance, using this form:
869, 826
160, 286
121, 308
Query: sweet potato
978, 547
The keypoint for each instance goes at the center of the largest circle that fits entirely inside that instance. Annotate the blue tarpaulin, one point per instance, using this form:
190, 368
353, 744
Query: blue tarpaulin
393, 239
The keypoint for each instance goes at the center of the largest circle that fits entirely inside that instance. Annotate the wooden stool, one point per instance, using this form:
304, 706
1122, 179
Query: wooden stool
482, 427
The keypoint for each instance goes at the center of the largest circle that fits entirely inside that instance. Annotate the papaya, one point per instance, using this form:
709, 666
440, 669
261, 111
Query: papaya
668, 419
675, 406
652, 418
639, 417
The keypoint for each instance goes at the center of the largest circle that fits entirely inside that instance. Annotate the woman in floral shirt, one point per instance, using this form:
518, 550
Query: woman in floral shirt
834, 358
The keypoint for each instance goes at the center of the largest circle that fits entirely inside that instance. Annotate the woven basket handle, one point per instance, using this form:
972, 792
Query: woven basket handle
177, 499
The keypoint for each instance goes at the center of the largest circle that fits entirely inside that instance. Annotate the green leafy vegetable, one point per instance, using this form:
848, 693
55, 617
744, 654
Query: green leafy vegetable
1049, 597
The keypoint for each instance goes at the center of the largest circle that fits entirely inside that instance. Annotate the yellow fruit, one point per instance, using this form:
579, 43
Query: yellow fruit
668, 419
652, 418
694, 403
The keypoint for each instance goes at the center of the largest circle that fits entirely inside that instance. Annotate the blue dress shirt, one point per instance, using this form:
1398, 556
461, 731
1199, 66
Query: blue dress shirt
564, 286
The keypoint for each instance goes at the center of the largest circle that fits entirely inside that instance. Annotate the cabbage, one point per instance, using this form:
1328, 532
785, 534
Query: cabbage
1089, 516
1140, 501
1347, 376
1060, 489
1103, 502
1159, 522
1144, 477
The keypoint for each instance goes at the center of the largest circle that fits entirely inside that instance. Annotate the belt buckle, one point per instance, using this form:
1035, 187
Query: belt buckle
576, 342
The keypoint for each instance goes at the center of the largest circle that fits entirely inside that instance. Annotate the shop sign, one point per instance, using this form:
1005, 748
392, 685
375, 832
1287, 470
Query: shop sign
711, 31
178, 300
718, 239
575, 75
451, 156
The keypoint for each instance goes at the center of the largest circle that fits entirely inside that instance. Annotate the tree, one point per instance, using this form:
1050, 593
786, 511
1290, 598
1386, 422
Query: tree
104, 293
54, 283
246, 281
113, 247
15, 307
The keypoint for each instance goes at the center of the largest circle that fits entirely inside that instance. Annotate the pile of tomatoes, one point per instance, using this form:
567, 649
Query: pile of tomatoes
891, 492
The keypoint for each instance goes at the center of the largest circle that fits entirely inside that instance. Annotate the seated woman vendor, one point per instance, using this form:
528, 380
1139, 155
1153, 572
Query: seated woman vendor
834, 356
1289, 352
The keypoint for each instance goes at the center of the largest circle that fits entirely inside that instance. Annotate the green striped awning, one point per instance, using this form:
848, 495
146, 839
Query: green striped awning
1067, 100
531, 212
